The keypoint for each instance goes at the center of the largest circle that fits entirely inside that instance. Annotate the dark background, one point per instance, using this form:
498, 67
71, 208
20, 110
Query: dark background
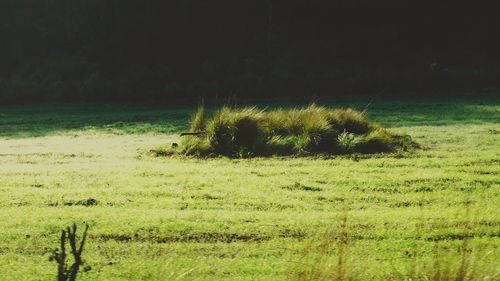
177, 50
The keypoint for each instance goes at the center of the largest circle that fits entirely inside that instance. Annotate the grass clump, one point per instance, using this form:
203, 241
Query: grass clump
247, 132
198, 120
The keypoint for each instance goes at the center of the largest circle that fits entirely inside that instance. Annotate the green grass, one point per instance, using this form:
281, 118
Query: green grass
249, 219
312, 130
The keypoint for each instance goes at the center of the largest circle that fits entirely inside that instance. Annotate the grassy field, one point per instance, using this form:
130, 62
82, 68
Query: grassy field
425, 215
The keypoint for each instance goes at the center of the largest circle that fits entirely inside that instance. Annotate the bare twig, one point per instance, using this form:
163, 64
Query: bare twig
372, 100
192, 134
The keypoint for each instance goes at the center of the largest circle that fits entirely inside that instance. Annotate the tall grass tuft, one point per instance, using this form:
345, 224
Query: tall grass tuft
249, 131
333, 256
198, 119
325, 258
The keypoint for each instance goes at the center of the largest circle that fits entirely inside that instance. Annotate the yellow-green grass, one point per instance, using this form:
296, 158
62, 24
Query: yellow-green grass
248, 219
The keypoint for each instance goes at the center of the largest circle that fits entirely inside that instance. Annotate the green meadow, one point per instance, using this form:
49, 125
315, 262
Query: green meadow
428, 214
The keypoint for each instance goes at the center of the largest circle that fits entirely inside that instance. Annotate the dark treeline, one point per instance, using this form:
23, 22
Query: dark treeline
180, 49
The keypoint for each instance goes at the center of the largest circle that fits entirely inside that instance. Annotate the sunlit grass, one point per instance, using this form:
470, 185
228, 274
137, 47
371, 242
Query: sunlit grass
251, 219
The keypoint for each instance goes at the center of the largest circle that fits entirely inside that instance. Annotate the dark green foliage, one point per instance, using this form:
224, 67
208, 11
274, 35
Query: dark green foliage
249, 132
348, 142
65, 272
184, 49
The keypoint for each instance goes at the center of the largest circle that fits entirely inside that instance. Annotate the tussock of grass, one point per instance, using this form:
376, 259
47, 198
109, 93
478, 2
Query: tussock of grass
249, 131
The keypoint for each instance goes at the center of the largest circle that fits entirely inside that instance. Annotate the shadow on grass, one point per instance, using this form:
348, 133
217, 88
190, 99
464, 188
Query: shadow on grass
52, 119
45, 120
